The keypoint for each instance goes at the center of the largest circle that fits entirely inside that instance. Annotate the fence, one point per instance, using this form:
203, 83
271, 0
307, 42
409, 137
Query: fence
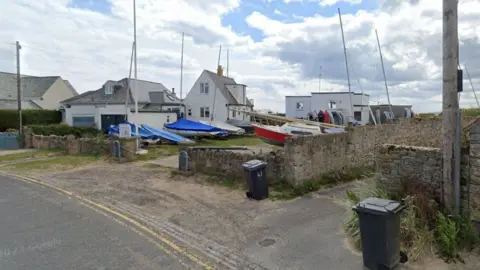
9, 140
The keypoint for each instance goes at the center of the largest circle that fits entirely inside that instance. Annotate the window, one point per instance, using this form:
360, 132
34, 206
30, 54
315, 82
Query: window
357, 116
332, 104
168, 118
83, 121
205, 112
234, 114
108, 89
299, 106
204, 88
189, 112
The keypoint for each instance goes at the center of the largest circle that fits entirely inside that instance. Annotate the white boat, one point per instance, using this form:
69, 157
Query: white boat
224, 126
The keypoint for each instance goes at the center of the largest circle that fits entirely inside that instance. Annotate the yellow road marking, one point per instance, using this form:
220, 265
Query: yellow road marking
105, 208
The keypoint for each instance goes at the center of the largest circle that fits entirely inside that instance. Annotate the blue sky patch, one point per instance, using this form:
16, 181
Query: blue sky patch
101, 6
287, 13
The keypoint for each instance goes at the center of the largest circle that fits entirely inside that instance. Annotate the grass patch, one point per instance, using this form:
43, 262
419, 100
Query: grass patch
285, 191
32, 154
423, 228
232, 141
226, 182
158, 151
57, 163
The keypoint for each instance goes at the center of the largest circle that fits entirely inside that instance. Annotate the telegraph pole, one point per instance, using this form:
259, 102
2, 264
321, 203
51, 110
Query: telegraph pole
450, 98
19, 89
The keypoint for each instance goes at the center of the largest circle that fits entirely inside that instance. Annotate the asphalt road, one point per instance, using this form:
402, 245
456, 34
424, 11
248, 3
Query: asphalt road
42, 229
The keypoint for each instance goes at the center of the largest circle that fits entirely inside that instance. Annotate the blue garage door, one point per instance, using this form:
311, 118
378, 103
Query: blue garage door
83, 121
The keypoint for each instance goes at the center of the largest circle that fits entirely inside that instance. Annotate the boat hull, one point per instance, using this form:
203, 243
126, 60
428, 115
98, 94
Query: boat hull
270, 135
191, 133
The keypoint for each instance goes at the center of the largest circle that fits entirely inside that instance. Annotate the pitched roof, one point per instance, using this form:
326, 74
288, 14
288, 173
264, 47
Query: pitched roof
148, 92
221, 83
69, 85
32, 87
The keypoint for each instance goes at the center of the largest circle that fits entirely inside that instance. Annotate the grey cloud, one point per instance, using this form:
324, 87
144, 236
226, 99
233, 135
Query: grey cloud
392, 5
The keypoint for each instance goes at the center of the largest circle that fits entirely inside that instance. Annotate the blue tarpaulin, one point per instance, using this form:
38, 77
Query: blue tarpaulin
143, 133
184, 124
166, 135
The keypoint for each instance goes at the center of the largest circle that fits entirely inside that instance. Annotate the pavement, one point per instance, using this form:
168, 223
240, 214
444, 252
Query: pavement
42, 229
16, 151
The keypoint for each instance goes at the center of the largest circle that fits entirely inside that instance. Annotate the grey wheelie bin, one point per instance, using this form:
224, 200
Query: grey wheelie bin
380, 232
256, 179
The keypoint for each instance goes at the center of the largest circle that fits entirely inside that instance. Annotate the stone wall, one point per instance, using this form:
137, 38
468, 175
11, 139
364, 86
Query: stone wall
309, 157
73, 146
473, 180
227, 163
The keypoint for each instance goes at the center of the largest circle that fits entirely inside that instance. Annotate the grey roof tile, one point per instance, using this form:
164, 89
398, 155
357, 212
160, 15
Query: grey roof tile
148, 92
221, 83
32, 87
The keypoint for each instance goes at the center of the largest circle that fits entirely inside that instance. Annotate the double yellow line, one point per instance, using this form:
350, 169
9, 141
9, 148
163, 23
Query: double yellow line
140, 229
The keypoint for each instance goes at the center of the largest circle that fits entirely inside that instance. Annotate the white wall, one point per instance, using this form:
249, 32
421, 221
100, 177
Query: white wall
194, 100
238, 91
152, 119
156, 120
57, 92
291, 106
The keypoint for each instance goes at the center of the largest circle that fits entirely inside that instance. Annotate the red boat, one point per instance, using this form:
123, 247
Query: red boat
276, 135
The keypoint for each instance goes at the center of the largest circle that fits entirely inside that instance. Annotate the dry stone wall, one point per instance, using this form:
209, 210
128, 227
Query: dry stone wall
228, 164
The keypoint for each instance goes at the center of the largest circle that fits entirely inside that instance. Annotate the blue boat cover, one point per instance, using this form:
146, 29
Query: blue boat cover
166, 135
144, 134
184, 124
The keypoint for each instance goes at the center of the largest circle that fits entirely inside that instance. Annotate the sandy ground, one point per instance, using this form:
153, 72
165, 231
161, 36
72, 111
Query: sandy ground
220, 223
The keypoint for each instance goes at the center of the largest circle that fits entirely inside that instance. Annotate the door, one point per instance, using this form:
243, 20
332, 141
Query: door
111, 119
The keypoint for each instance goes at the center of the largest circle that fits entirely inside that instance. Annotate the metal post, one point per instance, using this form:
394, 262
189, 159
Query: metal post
228, 63
320, 80
181, 70
127, 98
346, 66
135, 65
450, 97
19, 88
384, 76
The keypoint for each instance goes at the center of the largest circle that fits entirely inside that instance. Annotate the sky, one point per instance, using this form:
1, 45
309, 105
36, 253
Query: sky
275, 47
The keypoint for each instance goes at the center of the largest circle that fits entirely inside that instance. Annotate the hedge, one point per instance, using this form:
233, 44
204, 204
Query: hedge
64, 130
9, 118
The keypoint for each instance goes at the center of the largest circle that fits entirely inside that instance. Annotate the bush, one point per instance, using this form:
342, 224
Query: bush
422, 226
64, 130
9, 118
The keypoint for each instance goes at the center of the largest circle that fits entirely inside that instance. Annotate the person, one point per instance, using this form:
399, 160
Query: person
320, 116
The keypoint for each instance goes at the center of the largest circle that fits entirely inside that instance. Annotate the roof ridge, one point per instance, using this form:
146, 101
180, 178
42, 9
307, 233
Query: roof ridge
32, 76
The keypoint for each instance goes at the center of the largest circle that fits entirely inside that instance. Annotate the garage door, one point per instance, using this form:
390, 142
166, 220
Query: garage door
83, 121
111, 119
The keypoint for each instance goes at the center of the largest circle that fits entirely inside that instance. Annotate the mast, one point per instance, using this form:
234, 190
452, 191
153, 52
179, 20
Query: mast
471, 84
127, 98
181, 69
228, 63
346, 66
320, 80
136, 78
384, 76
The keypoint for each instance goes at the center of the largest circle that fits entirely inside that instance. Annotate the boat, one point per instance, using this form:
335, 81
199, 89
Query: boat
114, 131
167, 136
243, 124
276, 135
188, 128
231, 129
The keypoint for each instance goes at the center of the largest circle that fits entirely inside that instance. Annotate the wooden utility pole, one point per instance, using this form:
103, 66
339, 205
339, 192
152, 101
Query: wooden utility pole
450, 98
19, 89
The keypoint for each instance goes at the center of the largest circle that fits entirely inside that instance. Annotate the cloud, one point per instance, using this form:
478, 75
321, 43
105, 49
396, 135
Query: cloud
89, 47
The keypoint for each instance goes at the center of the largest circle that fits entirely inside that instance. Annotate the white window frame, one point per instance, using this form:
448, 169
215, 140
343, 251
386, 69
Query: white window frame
234, 113
108, 89
296, 106
331, 103
204, 88
205, 112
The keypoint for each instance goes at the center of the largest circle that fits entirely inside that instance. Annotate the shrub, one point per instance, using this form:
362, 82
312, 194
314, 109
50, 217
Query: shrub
9, 118
64, 130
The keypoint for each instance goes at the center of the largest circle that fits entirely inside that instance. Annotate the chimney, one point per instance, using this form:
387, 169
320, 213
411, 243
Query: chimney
220, 70
173, 90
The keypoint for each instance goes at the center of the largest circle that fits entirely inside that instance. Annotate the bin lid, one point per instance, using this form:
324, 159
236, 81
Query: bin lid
379, 206
253, 164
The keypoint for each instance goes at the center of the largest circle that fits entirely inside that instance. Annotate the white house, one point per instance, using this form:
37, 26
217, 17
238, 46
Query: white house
300, 106
37, 92
113, 103
217, 97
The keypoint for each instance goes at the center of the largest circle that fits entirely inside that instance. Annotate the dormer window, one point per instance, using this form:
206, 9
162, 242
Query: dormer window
108, 89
